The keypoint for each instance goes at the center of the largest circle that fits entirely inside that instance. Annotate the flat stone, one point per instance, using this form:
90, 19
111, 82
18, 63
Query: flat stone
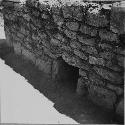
88, 30
75, 44
114, 67
70, 34
107, 55
98, 61
20, 35
80, 54
55, 42
60, 37
105, 46
66, 56
109, 36
111, 76
83, 73
26, 17
67, 13
95, 80
86, 41
72, 26
65, 48
58, 20
90, 50
71, 60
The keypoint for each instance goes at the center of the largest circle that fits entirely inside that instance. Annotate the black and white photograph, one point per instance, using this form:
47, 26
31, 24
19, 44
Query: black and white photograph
62, 62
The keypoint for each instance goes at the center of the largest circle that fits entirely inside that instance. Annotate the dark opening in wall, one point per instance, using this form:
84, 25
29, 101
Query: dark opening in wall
122, 40
67, 74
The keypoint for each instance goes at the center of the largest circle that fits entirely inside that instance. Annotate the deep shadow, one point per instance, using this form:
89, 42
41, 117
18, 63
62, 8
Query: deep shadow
4, 49
67, 74
61, 93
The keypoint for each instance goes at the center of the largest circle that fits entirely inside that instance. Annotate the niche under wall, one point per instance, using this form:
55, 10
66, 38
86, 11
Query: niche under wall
67, 74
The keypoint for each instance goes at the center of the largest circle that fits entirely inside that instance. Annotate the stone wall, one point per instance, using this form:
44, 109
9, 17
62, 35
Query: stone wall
89, 36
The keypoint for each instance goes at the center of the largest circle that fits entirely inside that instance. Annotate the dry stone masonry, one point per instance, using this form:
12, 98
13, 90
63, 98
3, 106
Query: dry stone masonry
89, 36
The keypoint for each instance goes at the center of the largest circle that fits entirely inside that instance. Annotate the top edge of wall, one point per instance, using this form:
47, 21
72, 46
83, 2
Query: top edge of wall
59, 3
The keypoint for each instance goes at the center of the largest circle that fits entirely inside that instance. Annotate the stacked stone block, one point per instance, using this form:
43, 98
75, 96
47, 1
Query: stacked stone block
86, 36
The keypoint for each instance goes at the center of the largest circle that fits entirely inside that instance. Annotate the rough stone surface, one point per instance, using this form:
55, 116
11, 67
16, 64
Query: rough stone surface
82, 35
86, 41
90, 49
72, 26
114, 77
105, 35
88, 30
80, 54
98, 61
70, 34
75, 45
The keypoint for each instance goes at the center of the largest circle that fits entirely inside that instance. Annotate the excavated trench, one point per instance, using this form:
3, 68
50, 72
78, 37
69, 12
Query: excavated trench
86, 38
62, 92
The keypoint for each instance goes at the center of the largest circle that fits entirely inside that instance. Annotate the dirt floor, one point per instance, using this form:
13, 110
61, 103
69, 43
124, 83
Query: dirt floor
61, 93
